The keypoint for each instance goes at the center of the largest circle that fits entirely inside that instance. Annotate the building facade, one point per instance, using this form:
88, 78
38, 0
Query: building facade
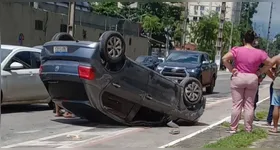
198, 9
24, 25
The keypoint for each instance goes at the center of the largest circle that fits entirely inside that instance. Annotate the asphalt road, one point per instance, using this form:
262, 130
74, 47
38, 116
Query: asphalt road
37, 125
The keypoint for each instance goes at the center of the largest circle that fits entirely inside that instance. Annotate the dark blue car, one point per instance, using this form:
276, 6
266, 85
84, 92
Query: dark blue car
183, 63
96, 81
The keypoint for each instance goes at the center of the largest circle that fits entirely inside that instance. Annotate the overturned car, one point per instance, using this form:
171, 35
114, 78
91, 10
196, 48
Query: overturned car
96, 81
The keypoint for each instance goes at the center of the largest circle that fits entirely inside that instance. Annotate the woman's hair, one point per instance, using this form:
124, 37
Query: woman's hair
250, 37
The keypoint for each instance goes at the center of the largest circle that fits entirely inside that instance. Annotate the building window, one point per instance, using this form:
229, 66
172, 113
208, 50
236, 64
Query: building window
202, 10
200, 18
195, 9
218, 9
63, 28
38, 25
194, 18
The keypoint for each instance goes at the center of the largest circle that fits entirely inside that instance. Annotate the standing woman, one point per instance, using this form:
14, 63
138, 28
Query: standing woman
244, 82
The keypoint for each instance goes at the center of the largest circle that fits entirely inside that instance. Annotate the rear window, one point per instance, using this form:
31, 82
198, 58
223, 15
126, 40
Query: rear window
4, 54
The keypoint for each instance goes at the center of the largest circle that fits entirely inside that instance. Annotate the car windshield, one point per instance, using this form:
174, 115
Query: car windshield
140, 58
4, 54
183, 57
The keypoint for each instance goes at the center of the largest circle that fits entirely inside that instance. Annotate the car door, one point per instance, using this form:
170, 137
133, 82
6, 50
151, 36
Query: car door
161, 91
131, 82
19, 81
38, 88
205, 70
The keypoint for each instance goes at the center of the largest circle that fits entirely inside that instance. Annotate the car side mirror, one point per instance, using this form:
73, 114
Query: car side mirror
205, 62
16, 66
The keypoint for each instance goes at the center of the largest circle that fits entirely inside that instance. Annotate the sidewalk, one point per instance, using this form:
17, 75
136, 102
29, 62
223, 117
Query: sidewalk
273, 140
219, 132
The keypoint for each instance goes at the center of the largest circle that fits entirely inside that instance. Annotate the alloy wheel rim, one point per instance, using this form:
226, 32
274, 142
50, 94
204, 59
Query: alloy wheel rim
114, 47
193, 92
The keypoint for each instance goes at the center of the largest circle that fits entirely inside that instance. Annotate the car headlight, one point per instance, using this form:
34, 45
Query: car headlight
192, 70
159, 68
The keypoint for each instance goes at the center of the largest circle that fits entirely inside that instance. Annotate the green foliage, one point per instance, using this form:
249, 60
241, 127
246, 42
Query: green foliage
248, 9
151, 24
106, 8
205, 32
154, 16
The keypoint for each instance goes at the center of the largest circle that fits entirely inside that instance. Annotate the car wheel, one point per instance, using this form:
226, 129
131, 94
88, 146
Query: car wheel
210, 89
112, 46
192, 90
62, 36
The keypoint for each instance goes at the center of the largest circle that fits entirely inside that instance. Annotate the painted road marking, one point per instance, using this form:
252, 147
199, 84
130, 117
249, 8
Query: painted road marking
46, 138
202, 130
29, 131
72, 142
98, 137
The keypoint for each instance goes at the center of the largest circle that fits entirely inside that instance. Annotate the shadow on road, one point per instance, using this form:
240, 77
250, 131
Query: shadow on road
23, 108
204, 93
85, 123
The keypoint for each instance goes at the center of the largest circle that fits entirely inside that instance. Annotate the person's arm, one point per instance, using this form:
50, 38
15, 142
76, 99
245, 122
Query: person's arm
226, 61
268, 63
270, 74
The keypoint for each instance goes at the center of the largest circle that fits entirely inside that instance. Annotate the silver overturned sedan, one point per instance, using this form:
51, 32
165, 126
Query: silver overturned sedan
20, 81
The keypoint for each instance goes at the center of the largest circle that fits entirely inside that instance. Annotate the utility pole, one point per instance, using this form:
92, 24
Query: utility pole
186, 16
71, 18
233, 20
220, 36
269, 25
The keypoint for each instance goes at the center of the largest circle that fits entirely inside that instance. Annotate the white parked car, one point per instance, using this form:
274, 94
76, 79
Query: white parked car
20, 81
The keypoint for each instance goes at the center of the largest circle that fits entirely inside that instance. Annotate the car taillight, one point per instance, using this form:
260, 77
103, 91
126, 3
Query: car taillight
40, 70
86, 72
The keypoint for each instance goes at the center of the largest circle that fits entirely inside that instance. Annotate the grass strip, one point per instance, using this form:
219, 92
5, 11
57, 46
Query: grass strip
261, 115
241, 139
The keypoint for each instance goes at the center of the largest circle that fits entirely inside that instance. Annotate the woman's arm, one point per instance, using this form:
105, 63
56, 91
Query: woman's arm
268, 63
270, 74
226, 58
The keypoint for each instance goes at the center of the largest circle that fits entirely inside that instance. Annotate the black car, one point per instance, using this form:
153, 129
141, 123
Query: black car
95, 80
183, 63
148, 61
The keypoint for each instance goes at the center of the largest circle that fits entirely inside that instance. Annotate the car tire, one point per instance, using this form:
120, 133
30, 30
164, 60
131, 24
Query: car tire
210, 89
192, 91
112, 47
62, 36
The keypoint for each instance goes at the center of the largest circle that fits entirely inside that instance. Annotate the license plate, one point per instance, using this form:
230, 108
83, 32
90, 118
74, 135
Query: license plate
60, 49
